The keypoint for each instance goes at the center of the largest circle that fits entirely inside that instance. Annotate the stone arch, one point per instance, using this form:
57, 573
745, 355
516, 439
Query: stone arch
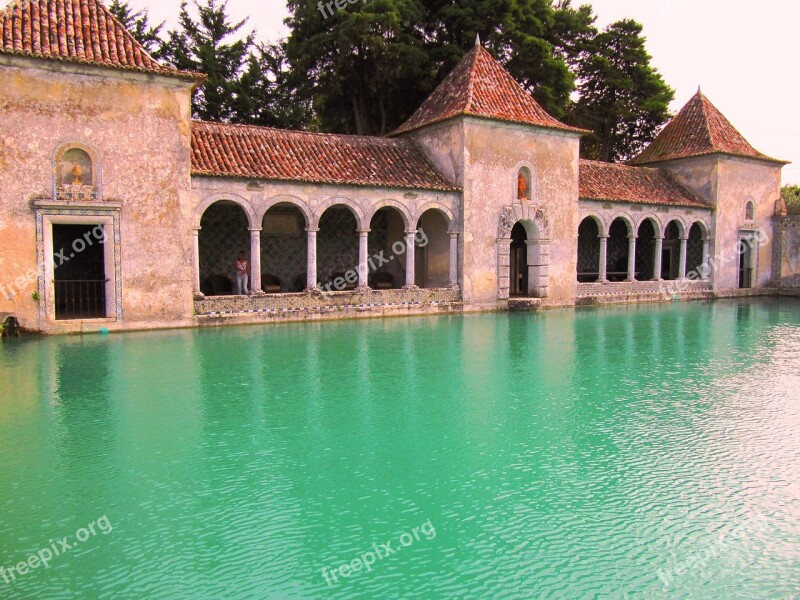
602, 226
222, 231
626, 218
618, 248
449, 215
537, 230
351, 204
295, 201
590, 229
656, 221
644, 258
401, 208
243, 202
433, 251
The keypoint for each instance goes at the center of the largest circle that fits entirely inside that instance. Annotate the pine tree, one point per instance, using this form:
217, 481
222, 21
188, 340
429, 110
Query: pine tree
364, 67
265, 96
138, 23
622, 98
210, 45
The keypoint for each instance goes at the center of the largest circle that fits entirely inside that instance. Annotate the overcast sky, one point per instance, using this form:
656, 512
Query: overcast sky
744, 55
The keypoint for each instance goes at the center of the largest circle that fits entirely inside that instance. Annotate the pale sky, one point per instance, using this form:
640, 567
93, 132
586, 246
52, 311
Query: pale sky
744, 55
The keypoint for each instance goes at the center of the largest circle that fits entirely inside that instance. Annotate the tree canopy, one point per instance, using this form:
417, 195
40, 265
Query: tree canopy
367, 67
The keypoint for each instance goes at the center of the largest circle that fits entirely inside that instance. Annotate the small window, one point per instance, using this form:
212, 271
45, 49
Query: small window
524, 184
750, 211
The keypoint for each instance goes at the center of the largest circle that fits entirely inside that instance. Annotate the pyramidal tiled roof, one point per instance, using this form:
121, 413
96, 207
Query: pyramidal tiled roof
225, 150
643, 185
80, 31
699, 129
479, 86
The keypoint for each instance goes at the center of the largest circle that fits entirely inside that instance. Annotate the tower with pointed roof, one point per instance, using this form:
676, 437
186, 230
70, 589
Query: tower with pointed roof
707, 154
97, 132
485, 131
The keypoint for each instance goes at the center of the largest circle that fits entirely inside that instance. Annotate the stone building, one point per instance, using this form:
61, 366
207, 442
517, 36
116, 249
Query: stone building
119, 211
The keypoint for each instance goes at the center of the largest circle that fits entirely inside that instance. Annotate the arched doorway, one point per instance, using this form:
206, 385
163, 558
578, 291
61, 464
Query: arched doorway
519, 261
337, 249
386, 269
588, 251
223, 234
670, 251
284, 249
617, 250
694, 252
432, 253
645, 251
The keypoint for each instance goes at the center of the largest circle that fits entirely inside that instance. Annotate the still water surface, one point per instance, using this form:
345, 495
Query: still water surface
648, 452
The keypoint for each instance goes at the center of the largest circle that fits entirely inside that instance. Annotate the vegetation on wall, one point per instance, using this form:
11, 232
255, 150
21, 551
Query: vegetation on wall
366, 68
791, 195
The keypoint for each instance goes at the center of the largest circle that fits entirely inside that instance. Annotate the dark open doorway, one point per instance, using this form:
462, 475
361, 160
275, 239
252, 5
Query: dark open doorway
746, 263
519, 261
79, 271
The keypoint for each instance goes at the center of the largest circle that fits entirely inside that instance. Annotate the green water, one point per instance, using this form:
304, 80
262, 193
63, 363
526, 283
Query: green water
623, 452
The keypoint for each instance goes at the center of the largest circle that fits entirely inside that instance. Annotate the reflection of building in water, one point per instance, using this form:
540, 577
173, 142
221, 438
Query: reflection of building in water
478, 201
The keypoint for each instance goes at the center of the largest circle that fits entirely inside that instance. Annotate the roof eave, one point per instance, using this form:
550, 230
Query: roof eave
562, 128
430, 188
198, 78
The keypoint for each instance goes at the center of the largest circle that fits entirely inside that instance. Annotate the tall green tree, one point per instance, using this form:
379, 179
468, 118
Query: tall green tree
138, 23
536, 40
622, 98
211, 44
266, 95
362, 67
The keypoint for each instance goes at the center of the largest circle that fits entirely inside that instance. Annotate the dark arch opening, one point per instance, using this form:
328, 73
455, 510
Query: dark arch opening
223, 234
617, 251
588, 251
284, 249
519, 261
645, 251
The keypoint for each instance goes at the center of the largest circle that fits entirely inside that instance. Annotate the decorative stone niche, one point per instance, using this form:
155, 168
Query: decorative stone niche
76, 173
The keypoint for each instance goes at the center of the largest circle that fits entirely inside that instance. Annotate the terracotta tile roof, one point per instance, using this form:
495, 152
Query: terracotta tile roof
699, 129
81, 31
225, 150
642, 185
479, 86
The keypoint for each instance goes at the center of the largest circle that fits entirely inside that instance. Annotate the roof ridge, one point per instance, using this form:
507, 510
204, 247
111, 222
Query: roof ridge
481, 87
324, 134
77, 31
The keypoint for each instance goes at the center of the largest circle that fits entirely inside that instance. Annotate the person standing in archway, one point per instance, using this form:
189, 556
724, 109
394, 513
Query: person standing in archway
242, 270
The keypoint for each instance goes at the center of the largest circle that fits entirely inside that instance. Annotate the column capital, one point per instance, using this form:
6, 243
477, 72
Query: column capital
312, 229
196, 230
603, 237
253, 230
452, 232
411, 232
364, 231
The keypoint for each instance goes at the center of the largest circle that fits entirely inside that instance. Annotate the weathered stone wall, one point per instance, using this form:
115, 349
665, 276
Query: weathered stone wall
786, 251
494, 154
139, 126
728, 183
